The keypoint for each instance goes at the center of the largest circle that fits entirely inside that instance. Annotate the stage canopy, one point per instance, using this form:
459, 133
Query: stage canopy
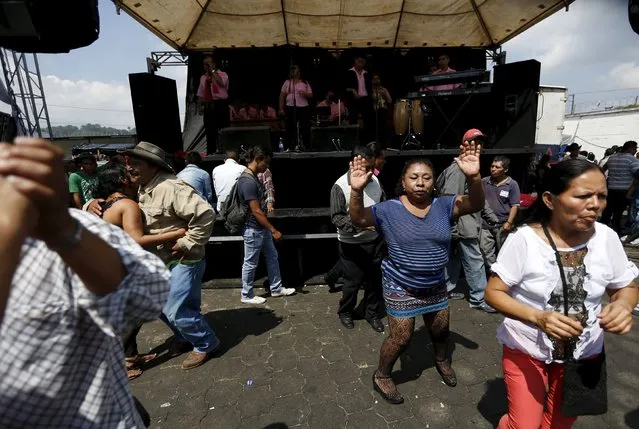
203, 25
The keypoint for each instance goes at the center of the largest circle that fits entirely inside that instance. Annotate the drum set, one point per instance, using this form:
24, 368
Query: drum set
408, 120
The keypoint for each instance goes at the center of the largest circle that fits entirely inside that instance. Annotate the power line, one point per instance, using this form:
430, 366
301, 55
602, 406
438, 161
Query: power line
89, 108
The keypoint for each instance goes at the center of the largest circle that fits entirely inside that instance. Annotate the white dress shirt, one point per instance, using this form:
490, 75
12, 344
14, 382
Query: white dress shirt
527, 264
224, 177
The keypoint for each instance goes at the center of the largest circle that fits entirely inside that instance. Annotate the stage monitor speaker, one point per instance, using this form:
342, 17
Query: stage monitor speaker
516, 92
243, 138
48, 26
325, 139
156, 111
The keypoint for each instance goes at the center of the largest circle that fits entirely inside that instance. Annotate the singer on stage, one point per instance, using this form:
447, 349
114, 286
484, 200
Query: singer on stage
294, 103
213, 94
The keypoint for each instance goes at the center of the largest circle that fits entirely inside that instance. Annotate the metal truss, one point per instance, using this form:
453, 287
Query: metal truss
24, 85
165, 58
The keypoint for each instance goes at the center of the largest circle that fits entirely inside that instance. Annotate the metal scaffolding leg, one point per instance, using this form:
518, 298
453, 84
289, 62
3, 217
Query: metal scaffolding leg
24, 85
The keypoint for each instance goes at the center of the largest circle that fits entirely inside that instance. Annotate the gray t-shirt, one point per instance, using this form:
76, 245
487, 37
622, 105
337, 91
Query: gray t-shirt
249, 189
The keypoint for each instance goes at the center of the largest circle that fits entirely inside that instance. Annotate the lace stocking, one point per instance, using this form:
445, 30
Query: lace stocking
438, 325
400, 333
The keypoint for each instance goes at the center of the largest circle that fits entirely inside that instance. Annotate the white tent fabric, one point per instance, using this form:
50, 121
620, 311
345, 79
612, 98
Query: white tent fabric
192, 25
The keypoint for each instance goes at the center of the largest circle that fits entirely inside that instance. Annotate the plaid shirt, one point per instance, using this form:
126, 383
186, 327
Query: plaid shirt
62, 361
266, 179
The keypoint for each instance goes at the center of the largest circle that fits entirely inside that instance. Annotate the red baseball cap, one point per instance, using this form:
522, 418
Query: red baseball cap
472, 134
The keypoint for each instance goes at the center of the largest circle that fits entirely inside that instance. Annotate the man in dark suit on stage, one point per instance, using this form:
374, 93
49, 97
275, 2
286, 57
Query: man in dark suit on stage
359, 90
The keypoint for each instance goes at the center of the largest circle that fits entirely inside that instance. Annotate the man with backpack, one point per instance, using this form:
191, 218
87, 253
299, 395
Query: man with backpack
247, 205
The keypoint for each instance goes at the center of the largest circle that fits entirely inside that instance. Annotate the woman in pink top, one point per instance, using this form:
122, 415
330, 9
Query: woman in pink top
294, 103
549, 282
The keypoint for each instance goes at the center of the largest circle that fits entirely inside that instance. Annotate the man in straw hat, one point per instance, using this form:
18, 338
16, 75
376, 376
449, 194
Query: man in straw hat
168, 203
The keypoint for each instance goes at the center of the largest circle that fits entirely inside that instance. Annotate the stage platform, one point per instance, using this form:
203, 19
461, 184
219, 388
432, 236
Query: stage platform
390, 152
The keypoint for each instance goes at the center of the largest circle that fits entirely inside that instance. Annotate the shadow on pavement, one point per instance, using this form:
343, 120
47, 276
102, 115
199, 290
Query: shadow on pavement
494, 403
632, 419
276, 426
419, 355
231, 327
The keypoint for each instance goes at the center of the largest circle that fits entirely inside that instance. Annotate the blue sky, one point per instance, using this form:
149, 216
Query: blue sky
590, 48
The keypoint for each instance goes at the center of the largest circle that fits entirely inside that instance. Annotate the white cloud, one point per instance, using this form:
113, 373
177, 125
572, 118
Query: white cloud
623, 75
107, 103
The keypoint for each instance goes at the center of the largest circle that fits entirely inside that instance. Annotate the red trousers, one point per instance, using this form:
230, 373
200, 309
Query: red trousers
534, 393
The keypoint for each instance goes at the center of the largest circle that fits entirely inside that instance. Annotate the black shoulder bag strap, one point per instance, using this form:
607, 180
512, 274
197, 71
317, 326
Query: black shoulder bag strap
564, 283
584, 385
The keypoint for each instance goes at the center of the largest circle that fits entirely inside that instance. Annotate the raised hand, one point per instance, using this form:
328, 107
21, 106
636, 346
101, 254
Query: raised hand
468, 159
360, 173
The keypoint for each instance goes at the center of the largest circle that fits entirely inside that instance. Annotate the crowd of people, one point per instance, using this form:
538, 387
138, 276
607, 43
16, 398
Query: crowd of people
69, 320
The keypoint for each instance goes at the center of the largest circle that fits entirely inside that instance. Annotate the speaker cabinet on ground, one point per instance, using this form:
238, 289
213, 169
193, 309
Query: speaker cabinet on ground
239, 138
325, 139
516, 92
48, 26
156, 111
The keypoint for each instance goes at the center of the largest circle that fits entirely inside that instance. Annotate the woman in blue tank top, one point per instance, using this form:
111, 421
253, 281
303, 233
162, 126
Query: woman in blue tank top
417, 229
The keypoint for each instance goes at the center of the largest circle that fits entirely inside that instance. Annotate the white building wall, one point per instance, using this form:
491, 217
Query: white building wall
551, 108
596, 132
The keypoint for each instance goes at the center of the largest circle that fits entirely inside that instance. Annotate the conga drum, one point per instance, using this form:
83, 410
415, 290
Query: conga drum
418, 117
400, 117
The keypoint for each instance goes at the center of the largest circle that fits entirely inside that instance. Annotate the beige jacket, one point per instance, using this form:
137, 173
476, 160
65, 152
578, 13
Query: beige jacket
168, 203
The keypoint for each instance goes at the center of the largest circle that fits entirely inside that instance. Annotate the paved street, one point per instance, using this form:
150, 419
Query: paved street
290, 364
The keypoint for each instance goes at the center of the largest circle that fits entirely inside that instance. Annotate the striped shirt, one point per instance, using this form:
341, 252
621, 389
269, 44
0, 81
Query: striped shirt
417, 247
622, 169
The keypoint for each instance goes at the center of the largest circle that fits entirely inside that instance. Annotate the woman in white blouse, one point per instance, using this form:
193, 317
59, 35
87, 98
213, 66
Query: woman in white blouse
527, 288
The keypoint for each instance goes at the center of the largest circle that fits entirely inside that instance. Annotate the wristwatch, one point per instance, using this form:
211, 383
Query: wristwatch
71, 240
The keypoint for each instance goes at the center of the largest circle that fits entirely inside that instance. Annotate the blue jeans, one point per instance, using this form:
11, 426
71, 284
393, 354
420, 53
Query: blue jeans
182, 311
257, 241
469, 256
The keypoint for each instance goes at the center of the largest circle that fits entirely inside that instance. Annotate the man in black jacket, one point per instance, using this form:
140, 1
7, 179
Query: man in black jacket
359, 89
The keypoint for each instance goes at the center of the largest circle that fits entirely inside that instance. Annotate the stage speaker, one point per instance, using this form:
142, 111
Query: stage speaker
156, 111
633, 15
48, 26
330, 139
243, 138
515, 96
8, 127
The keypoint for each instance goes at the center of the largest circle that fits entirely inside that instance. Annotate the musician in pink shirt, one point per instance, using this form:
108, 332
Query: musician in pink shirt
337, 109
442, 62
294, 103
213, 94
249, 113
267, 112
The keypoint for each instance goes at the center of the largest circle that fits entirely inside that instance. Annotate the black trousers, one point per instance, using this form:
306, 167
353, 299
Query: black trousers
302, 116
335, 273
617, 203
131, 343
363, 106
381, 127
361, 269
216, 116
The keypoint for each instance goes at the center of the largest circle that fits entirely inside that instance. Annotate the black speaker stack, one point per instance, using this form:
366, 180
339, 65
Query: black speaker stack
156, 111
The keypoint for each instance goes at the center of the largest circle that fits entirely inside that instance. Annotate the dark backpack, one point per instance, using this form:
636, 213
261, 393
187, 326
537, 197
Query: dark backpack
234, 212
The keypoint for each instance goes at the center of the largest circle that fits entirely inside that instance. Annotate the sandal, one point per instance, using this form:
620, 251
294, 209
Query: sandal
448, 379
141, 359
133, 373
394, 398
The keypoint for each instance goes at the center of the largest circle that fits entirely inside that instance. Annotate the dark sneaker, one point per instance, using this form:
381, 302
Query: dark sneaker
483, 307
347, 321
